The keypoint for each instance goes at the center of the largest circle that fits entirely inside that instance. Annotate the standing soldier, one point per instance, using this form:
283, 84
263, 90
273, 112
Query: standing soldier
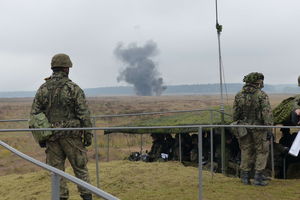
64, 104
252, 107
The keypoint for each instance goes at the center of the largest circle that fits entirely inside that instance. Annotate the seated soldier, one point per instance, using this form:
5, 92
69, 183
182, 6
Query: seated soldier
194, 151
186, 143
286, 139
157, 147
175, 148
168, 145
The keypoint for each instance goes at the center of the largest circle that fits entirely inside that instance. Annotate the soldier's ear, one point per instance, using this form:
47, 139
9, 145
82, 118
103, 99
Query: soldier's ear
66, 69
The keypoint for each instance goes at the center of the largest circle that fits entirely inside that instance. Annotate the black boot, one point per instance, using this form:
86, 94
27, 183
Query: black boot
86, 196
265, 178
245, 177
258, 179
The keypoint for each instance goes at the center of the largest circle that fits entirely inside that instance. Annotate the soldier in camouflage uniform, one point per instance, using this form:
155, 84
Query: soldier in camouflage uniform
157, 147
252, 107
64, 104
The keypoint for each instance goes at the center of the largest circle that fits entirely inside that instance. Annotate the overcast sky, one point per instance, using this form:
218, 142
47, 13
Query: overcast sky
258, 35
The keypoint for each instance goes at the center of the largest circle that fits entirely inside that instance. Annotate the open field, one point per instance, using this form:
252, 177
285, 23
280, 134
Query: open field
121, 144
14, 169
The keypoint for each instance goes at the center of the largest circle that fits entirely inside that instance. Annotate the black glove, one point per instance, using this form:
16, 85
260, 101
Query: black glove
87, 139
285, 151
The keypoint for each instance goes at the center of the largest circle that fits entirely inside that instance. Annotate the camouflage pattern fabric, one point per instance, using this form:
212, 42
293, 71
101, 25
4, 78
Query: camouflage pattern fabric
253, 77
72, 148
254, 150
168, 145
251, 105
64, 104
61, 60
156, 148
282, 112
194, 155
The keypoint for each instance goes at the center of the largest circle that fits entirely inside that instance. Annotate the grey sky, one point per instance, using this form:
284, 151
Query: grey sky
257, 36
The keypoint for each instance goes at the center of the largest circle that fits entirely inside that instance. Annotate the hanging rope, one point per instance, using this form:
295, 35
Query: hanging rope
221, 66
219, 30
223, 143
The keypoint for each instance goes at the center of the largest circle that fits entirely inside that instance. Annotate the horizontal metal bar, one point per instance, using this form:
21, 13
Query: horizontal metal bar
73, 179
154, 113
144, 127
132, 114
14, 120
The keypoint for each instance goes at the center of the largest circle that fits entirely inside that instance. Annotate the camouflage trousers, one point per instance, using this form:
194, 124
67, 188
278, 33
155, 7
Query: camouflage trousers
72, 149
254, 150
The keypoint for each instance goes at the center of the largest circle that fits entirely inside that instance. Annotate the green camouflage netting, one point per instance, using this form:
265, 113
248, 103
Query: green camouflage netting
282, 112
191, 118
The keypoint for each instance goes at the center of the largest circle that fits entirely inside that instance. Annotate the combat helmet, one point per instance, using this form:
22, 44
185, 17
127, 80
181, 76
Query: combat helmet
61, 60
253, 77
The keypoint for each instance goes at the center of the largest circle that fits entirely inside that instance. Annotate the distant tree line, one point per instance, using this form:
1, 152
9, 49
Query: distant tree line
230, 88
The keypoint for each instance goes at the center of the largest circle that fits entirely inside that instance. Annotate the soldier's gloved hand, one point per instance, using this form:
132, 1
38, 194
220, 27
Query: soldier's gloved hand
87, 139
285, 151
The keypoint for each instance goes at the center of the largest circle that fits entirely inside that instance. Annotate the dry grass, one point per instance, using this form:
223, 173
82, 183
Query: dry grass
143, 181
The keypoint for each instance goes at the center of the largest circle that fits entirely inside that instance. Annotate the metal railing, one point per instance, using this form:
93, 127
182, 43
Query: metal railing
200, 132
56, 174
96, 148
159, 113
132, 114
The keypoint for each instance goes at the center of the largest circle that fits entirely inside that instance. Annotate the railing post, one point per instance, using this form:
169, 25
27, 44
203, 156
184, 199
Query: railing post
107, 151
96, 153
141, 144
55, 179
223, 145
284, 167
211, 147
272, 157
200, 162
180, 151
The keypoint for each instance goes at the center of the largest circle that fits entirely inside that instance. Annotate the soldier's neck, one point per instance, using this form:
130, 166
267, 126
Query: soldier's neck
60, 74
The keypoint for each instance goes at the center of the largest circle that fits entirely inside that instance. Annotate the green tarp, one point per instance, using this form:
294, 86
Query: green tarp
188, 118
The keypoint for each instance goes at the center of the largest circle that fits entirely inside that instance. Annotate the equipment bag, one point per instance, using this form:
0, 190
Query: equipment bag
239, 132
40, 121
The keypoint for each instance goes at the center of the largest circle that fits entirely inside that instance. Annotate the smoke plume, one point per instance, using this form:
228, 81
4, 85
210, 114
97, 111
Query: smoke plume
140, 69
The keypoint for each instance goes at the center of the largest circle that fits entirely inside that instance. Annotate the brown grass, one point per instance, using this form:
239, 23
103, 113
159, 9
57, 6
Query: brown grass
143, 181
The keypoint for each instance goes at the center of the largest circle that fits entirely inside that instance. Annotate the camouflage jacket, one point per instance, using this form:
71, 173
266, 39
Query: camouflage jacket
297, 102
156, 149
251, 105
62, 101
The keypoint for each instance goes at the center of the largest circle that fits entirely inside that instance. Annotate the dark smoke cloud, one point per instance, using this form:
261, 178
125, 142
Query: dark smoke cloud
140, 69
